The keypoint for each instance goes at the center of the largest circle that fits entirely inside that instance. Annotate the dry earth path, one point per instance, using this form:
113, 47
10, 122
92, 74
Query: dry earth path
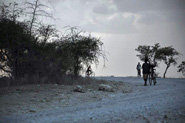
164, 102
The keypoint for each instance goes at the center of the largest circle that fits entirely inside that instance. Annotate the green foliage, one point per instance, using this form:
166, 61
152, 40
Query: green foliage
149, 52
83, 50
181, 67
168, 55
40, 53
156, 53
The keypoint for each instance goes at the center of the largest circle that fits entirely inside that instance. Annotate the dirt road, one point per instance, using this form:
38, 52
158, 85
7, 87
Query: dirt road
164, 102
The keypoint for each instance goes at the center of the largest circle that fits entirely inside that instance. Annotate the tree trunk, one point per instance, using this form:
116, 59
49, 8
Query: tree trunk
164, 75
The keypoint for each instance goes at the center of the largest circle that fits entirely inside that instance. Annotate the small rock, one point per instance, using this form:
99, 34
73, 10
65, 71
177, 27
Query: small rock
89, 89
78, 88
94, 97
104, 87
31, 110
165, 116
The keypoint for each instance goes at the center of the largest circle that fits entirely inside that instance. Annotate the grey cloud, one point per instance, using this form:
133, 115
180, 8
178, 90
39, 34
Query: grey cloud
154, 11
103, 9
176, 16
153, 17
120, 24
117, 24
149, 18
148, 5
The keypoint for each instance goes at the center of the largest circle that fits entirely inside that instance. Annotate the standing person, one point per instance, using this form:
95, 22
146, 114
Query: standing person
138, 69
146, 71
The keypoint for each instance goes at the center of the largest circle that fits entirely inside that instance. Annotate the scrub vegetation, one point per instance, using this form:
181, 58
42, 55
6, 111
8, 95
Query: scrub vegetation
34, 52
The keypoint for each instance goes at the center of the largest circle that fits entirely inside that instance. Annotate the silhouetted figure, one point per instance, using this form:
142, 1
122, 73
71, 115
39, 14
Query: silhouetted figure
146, 71
152, 73
89, 71
152, 66
138, 69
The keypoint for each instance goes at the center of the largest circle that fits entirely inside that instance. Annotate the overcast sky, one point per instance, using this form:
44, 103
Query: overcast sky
123, 25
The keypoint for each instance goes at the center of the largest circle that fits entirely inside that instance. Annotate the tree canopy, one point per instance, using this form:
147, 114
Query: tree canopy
181, 68
149, 52
169, 55
37, 50
156, 53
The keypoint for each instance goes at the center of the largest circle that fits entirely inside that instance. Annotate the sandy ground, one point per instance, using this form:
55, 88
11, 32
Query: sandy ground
132, 102
34, 98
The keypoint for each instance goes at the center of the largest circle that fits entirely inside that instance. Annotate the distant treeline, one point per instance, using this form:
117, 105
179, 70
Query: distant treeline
36, 52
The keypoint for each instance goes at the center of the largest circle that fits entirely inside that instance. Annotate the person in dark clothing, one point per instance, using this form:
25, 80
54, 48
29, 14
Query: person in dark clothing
89, 71
146, 71
138, 69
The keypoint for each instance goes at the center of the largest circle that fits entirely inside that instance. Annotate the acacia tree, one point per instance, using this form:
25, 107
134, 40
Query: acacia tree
83, 49
181, 68
156, 53
169, 55
36, 10
149, 52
